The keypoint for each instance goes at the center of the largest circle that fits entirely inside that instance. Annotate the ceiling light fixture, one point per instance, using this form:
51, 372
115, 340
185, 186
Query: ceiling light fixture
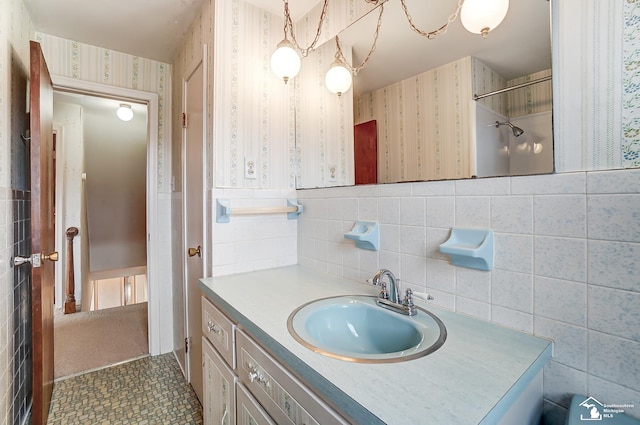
482, 16
124, 112
285, 61
477, 16
339, 77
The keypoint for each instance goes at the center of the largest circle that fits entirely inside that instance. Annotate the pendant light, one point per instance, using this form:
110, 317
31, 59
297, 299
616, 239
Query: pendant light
285, 62
124, 112
482, 16
338, 78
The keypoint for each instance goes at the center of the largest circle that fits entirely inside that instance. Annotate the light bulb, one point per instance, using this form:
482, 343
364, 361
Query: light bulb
285, 61
124, 112
482, 16
338, 79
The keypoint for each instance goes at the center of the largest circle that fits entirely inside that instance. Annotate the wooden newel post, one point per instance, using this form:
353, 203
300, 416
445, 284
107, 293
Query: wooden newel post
70, 301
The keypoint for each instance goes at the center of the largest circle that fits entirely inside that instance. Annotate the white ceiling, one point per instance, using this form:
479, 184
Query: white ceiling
520, 45
153, 29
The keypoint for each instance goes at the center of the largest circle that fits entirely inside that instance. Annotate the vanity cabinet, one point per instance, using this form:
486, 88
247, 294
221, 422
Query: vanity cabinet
218, 360
219, 388
283, 396
249, 411
244, 384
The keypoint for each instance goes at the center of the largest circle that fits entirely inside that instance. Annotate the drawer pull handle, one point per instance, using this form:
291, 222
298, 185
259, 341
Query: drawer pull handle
213, 327
224, 415
256, 376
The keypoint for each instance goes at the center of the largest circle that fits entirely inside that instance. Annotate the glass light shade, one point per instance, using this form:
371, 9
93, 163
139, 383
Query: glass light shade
124, 112
482, 16
338, 79
285, 61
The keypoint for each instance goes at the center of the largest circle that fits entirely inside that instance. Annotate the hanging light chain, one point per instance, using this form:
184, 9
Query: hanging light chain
432, 34
340, 56
288, 24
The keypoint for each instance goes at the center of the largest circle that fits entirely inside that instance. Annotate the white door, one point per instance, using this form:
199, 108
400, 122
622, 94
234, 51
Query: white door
193, 158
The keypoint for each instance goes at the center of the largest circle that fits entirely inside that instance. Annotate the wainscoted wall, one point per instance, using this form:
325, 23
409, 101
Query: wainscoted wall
257, 242
248, 116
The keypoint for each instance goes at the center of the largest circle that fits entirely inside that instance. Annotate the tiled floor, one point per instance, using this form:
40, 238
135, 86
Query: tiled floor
148, 391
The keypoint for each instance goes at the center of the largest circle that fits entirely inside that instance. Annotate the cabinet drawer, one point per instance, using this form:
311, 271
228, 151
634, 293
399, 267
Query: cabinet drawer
282, 395
219, 388
219, 331
249, 411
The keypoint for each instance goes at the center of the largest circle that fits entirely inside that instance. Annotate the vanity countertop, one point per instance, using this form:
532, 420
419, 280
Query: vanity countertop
472, 379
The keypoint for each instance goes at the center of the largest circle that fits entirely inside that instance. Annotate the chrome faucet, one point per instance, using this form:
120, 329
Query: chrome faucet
391, 298
394, 284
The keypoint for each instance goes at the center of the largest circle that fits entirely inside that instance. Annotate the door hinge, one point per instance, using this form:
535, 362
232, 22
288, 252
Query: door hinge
184, 120
186, 345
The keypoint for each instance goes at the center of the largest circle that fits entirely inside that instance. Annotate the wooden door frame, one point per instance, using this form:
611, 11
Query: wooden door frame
155, 295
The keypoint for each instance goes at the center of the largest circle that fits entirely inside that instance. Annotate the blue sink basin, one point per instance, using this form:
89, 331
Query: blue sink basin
354, 328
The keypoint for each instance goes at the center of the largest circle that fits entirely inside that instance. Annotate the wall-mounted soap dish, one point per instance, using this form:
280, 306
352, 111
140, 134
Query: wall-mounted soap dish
365, 234
472, 248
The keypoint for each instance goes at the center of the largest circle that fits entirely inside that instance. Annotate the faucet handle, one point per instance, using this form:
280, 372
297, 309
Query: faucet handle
408, 298
384, 294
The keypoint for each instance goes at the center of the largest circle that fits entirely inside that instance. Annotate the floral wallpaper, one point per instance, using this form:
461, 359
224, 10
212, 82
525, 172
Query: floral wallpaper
73, 59
631, 85
422, 133
530, 99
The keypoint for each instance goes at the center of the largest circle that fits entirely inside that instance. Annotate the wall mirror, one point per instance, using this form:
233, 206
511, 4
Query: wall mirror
416, 96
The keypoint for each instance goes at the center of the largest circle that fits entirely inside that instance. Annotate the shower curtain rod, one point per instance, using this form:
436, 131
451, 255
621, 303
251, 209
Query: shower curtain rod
528, 83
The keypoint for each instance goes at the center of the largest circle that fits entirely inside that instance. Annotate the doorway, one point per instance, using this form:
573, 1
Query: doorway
102, 186
157, 333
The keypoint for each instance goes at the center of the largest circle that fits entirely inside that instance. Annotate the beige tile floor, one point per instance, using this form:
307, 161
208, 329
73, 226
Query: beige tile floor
147, 391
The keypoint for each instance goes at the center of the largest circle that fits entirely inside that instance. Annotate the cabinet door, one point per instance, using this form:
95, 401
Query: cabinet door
249, 411
219, 388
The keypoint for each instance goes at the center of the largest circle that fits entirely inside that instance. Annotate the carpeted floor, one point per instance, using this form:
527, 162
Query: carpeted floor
92, 340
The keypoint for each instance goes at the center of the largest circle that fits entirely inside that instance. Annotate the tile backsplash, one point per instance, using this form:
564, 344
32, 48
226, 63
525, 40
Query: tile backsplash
567, 263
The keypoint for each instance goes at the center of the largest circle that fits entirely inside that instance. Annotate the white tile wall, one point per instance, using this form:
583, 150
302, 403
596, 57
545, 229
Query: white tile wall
263, 241
567, 263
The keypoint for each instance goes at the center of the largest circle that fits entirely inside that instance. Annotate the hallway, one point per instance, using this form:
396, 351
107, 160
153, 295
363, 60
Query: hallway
91, 340
149, 391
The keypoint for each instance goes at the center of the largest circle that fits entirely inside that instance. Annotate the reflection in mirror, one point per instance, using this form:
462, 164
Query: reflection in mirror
419, 93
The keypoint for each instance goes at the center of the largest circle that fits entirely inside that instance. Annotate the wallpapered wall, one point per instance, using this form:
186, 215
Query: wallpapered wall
73, 59
531, 99
249, 99
324, 150
422, 120
587, 72
422, 131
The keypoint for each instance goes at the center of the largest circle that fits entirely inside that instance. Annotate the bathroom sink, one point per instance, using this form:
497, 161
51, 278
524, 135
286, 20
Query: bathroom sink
354, 328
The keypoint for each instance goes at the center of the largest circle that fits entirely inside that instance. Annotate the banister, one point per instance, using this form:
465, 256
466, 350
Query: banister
70, 301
